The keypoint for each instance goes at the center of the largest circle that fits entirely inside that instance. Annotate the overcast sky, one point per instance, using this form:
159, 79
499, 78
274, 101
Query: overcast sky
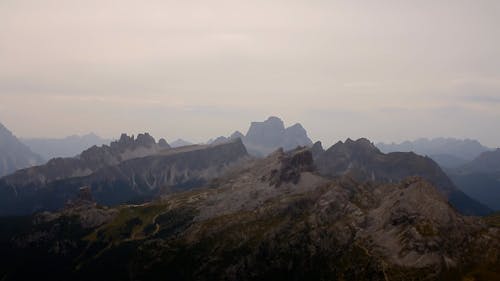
386, 70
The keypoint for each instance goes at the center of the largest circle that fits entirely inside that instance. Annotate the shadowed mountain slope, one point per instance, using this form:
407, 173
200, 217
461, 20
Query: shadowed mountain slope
363, 161
269, 219
129, 170
480, 178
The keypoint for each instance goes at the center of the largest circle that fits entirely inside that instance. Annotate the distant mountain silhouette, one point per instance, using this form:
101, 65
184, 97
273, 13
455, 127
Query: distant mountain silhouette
363, 161
447, 152
480, 178
487, 162
14, 155
180, 143
265, 137
70, 146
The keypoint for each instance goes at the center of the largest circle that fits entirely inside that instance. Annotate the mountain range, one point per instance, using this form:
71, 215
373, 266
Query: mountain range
180, 143
473, 167
363, 161
14, 155
274, 218
447, 152
70, 146
263, 138
128, 170
480, 178
267, 205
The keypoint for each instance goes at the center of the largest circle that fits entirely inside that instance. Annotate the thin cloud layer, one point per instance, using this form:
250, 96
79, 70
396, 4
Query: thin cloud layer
388, 70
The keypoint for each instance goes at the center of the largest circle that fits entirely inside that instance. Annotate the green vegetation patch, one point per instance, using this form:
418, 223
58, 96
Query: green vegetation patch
128, 224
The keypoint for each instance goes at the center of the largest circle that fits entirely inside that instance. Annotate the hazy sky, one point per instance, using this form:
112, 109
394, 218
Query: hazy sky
387, 70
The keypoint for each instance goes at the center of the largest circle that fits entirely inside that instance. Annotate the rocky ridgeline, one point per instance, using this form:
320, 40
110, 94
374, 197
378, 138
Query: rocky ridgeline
362, 161
88, 162
129, 170
248, 227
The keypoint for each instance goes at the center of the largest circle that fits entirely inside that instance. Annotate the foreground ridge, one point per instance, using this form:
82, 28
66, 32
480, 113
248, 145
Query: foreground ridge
273, 218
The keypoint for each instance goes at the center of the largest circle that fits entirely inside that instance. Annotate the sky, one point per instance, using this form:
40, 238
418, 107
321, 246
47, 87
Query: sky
389, 70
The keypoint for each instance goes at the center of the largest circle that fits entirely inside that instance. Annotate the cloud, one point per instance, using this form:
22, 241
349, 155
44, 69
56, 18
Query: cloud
175, 64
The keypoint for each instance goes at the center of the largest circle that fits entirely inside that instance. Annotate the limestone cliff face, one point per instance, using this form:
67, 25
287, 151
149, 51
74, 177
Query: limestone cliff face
89, 161
123, 179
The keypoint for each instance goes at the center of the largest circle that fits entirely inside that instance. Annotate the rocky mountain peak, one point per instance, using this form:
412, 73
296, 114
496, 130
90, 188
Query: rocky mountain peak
364, 162
268, 133
125, 139
236, 134
291, 165
4, 131
180, 143
14, 155
265, 137
360, 146
361, 143
297, 127
163, 143
145, 140
275, 122
317, 149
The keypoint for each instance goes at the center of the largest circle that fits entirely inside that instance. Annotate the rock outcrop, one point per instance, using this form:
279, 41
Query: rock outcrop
317, 149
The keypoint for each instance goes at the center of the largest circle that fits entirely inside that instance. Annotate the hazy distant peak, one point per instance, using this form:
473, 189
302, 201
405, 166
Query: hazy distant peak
163, 143
2, 127
296, 129
271, 122
236, 134
466, 149
180, 143
69, 146
131, 142
4, 131
145, 140
361, 141
14, 154
274, 120
296, 126
265, 137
